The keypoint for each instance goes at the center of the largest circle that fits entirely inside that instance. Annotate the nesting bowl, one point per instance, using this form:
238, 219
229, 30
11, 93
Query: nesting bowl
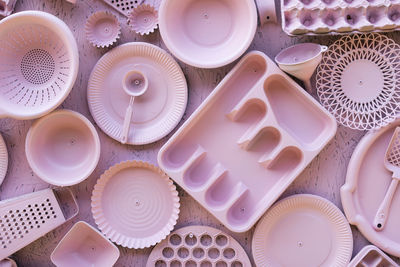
62, 148
208, 33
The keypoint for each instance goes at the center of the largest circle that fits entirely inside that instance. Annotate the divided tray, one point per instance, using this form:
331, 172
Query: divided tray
339, 16
247, 142
371, 256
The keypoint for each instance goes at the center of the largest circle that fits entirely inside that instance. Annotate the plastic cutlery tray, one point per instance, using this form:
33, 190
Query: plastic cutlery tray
247, 142
339, 16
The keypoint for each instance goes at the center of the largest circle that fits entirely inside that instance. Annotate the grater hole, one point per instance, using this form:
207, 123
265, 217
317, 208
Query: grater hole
205, 264
229, 253
175, 240
206, 240
190, 264
236, 264
213, 253
160, 263
221, 240
37, 67
168, 252
221, 264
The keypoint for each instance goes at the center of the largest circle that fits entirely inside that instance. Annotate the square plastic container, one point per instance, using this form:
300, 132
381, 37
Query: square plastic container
83, 245
371, 256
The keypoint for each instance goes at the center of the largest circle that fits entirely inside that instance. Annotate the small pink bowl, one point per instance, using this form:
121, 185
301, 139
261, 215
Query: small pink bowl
208, 33
62, 148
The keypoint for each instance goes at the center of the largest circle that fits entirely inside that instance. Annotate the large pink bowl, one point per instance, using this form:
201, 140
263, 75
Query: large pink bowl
208, 33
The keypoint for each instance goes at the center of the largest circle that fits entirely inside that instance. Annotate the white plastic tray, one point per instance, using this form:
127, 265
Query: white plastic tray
247, 142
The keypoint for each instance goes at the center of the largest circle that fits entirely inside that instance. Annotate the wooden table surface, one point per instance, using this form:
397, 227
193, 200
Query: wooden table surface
324, 176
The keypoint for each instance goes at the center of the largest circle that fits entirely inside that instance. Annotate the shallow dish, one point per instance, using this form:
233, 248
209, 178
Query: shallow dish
371, 256
135, 204
367, 182
257, 117
83, 245
201, 246
3, 159
208, 33
157, 112
303, 231
63, 148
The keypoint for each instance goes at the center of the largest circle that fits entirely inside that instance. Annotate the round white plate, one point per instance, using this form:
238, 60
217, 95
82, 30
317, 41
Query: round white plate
3, 159
303, 231
157, 112
135, 204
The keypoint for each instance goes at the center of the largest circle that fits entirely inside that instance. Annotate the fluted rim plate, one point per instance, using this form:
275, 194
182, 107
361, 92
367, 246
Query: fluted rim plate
135, 204
303, 230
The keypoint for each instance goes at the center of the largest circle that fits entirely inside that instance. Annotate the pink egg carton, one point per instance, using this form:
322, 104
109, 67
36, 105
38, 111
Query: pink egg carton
6, 7
339, 16
247, 142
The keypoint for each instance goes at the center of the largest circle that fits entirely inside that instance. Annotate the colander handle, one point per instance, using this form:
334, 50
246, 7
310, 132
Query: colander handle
383, 210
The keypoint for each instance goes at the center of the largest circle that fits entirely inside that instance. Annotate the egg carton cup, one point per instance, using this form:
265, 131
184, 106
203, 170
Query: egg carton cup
198, 246
339, 16
7, 7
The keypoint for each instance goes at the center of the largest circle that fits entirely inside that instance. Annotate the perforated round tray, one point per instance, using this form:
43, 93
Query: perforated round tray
201, 246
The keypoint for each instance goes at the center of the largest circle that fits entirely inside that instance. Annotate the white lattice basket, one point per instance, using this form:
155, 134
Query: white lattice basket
358, 80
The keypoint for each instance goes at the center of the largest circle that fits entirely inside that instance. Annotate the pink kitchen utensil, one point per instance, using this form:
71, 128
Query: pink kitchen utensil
246, 121
198, 246
367, 183
392, 163
62, 148
303, 231
266, 11
357, 80
38, 64
102, 29
301, 60
3, 159
208, 33
339, 16
143, 19
371, 256
8, 262
135, 84
83, 245
123, 6
26, 218
135, 204
7, 7
157, 112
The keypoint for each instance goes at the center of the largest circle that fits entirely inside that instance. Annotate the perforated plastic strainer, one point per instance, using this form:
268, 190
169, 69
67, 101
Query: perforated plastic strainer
38, 64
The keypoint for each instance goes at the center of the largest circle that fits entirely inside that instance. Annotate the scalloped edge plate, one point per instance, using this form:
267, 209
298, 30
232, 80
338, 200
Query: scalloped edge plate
157, 58
322, 210
106, 227
3, 159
